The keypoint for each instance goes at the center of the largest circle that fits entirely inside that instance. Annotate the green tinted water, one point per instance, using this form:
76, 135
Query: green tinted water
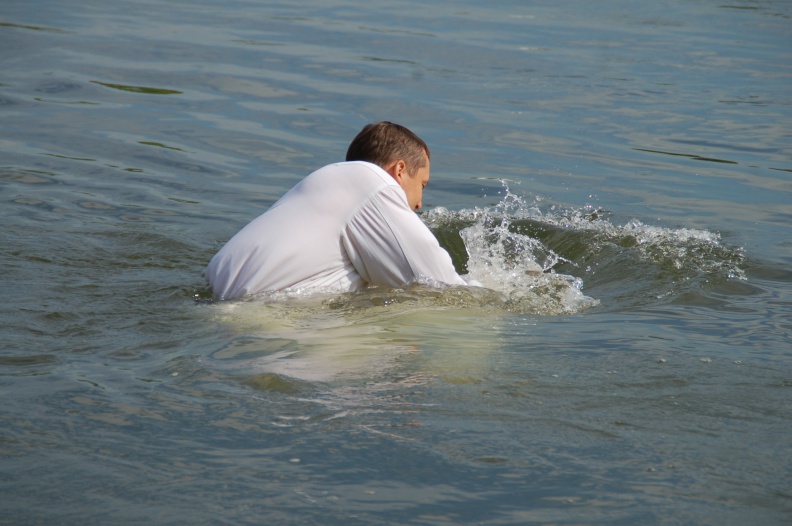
639, 154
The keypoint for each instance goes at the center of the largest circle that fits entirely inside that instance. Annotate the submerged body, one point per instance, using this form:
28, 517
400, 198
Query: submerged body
343, 228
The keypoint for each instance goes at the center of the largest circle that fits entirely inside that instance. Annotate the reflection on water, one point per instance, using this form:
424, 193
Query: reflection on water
364, 336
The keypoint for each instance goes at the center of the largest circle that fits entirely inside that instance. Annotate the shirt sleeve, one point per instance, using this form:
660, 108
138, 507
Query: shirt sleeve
389, 244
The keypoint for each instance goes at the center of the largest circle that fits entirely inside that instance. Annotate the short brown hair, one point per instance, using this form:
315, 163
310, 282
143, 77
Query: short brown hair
385, 142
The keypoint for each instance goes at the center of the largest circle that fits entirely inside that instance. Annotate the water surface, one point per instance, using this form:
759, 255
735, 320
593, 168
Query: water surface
617, 176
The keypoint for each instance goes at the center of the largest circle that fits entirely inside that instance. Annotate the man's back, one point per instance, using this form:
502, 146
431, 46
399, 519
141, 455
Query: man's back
342, 228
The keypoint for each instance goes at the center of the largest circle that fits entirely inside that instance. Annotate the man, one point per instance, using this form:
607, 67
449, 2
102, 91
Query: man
343, 228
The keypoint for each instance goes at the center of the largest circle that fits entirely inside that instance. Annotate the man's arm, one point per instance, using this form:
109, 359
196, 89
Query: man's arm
389, 244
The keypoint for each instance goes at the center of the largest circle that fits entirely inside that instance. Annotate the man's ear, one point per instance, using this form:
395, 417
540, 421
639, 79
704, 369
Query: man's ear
397, 170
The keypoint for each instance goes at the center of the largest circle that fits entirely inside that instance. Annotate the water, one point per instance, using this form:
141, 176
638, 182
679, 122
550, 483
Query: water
618, 176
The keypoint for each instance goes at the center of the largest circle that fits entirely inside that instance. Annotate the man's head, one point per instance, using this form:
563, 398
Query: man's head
399, 152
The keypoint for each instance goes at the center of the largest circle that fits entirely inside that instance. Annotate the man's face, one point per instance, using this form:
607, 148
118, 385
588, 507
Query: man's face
413, 185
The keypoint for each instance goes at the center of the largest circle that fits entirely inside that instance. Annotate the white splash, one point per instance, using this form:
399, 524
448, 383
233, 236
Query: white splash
516, 265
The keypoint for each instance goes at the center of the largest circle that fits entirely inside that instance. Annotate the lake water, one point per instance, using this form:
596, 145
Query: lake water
618, 174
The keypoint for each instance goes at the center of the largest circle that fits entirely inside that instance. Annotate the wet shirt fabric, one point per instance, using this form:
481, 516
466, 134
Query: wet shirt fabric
344, 227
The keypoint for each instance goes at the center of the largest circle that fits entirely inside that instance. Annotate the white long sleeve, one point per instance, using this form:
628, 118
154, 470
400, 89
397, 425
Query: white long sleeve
342, 228
389, 244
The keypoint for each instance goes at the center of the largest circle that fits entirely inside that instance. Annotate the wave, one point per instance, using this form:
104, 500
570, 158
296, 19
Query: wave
540, 259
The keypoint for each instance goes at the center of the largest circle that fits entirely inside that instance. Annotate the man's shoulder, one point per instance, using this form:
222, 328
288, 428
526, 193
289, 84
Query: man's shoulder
359, 169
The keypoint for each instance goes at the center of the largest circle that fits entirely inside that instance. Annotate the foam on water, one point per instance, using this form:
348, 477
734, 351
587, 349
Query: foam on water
683, 248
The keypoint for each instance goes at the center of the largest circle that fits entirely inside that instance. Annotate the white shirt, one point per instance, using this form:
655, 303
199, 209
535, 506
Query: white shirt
344, 227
